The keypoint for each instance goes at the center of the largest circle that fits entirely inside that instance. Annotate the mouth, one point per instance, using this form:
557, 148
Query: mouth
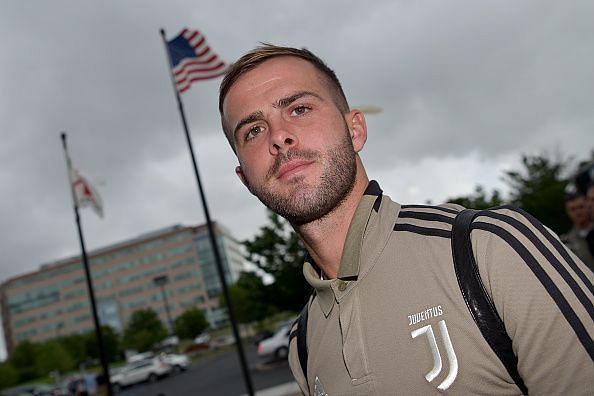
291, 168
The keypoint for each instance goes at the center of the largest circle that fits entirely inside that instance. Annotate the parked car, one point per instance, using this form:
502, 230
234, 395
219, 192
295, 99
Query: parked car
276, 346
202, 339
170, 341
168, 344
140, 371
178, 362
39, 390
262, 335
80, 384
222, 341
139, 356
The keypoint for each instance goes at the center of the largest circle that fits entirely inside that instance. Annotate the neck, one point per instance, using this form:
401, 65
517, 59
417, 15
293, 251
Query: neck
324, 238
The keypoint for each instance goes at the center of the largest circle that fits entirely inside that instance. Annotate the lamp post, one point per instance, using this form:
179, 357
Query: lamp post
161, 281
367, 109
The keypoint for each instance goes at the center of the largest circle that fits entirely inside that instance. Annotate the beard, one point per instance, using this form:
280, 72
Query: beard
306, 202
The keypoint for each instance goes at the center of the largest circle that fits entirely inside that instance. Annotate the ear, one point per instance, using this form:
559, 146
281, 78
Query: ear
241, 176
357, 128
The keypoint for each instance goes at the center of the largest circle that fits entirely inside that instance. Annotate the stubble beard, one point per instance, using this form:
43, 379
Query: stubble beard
306, 202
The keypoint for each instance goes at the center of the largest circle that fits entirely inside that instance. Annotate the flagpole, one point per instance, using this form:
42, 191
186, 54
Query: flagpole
85, 261
213, 242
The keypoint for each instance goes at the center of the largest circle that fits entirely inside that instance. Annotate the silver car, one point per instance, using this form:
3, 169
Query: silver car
143, 370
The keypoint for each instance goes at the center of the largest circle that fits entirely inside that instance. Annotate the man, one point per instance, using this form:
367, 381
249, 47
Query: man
388, 316
578, 211
590, 199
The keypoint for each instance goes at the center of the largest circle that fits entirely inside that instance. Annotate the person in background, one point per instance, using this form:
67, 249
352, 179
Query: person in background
590, 201
579, 212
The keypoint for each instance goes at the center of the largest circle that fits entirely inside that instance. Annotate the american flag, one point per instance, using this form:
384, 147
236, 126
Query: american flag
193, 60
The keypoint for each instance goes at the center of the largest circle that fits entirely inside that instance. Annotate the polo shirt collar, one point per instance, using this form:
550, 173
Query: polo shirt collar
326, 290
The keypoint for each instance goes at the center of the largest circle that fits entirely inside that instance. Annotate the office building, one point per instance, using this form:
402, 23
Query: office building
54, 300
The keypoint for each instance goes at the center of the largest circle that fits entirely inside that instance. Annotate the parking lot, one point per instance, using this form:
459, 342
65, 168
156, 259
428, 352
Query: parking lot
218, 374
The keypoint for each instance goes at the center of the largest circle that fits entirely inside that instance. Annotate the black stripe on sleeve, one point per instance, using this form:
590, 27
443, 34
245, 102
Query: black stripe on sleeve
423, 230
577, 290
447, 210
426, 216
292, 335
545, 280
557, 244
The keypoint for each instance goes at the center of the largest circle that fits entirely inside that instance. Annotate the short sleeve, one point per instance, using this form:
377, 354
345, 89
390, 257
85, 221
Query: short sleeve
545, 297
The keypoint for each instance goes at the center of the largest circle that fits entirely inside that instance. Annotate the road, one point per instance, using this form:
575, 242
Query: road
217, 375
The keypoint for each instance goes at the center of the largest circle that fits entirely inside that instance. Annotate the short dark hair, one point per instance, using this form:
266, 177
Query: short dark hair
573, 196
266, 51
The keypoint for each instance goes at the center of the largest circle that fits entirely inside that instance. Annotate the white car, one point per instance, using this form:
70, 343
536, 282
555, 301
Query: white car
178, 362
276, 346
143, 370
202, 339
222, 341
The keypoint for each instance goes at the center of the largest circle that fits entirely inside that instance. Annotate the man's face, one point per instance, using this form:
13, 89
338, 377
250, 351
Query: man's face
295, 148
577, 210
590, 199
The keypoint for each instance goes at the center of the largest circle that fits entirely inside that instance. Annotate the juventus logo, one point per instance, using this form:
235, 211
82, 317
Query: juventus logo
437, 363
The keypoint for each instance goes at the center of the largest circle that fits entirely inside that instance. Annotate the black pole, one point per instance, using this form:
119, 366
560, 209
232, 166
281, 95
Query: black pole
167, 309
85, 261
161, 281
213, 242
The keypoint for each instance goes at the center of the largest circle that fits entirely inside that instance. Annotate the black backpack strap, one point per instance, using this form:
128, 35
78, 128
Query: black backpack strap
479, 303
301, 334
302, 339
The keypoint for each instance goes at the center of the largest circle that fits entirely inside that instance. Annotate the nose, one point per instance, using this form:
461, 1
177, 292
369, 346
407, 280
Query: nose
282, 138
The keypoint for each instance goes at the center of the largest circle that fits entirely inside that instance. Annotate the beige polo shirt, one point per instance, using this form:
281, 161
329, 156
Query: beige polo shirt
394, 322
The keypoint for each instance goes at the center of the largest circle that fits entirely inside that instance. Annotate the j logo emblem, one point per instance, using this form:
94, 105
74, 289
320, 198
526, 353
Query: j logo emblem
437, 363
319, 388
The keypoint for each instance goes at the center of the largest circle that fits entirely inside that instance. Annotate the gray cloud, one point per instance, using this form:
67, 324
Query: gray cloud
461, 83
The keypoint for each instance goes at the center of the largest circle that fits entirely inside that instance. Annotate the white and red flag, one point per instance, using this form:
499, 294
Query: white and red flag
85, 193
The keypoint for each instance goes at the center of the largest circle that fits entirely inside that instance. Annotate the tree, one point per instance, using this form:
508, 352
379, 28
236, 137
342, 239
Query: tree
51, 356
539, 189
190, 323
479, 199
143, 330
278, 251
23, 360
111, 344
249, 295
8, 376
75, 345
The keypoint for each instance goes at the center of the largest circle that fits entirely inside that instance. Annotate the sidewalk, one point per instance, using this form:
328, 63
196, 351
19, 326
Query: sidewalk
288, 389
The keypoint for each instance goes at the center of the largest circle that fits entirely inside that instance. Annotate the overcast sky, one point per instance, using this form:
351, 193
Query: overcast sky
466, 87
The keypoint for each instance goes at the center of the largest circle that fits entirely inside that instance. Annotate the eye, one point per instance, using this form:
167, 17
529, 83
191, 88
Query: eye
253, 132
300, 110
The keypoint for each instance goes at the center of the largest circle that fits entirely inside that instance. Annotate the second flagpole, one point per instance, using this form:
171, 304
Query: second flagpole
221, 272
85, 261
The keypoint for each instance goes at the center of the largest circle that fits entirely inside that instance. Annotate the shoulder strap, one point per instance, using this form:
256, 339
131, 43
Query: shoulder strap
302, 339
300, 333
479, 303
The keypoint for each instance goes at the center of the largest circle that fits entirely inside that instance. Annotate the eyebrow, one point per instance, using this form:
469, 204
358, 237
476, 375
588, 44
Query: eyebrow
279, 104
255, 116
284, 102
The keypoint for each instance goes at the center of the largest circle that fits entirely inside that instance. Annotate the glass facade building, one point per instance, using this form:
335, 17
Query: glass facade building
54, 301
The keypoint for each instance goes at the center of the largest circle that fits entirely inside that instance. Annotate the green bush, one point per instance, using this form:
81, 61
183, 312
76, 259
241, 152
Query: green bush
8, 376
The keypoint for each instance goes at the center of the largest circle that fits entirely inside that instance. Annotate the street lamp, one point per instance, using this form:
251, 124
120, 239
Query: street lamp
366, 109
161, 281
